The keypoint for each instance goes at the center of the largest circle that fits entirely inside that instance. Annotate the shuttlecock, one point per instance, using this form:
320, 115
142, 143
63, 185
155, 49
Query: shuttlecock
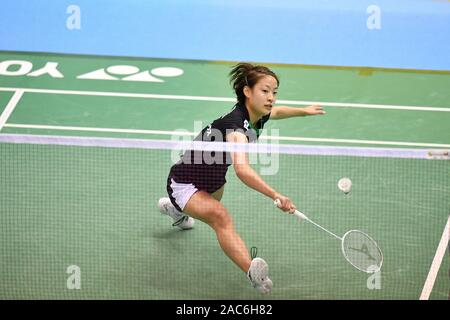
345, 184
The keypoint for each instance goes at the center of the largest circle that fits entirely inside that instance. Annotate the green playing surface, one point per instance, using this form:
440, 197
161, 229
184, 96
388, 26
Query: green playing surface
96, 207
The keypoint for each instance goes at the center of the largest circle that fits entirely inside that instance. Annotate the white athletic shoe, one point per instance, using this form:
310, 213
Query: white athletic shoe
181, 220
258, 274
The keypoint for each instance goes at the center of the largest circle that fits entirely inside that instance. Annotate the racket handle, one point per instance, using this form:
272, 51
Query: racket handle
297, 213
300, 215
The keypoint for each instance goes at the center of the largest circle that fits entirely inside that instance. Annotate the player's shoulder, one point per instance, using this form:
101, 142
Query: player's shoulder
236, 116
236, 112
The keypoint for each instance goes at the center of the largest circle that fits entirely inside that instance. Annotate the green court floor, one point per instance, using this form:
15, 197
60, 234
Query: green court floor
96, 207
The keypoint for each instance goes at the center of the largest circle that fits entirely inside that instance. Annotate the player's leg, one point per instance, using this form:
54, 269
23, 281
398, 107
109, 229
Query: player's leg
204, 207
181, 220
207, 208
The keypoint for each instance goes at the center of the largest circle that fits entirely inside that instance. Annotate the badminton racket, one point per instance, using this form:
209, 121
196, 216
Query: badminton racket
358, 248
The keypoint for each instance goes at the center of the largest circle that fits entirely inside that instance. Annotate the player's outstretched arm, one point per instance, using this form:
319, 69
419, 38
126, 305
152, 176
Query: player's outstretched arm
283, 112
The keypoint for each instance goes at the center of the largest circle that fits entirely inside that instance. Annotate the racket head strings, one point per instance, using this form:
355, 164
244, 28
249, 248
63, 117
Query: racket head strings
361, 251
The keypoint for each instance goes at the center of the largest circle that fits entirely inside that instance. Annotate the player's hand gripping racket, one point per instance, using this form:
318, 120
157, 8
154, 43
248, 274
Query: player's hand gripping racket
357, 247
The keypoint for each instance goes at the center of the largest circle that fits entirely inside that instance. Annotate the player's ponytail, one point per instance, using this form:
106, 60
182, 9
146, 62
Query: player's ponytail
246, 74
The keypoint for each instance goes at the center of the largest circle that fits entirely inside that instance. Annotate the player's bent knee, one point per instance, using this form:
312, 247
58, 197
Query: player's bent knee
220, 218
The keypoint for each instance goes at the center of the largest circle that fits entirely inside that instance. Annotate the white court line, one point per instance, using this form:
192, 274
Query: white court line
225, 99
436, 264
91, 129
262, 137
10, 107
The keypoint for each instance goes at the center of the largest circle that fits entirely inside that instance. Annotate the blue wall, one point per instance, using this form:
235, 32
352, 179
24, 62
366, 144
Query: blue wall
413, 34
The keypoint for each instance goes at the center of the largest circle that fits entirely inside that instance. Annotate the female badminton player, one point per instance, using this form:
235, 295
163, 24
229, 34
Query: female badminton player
195, 187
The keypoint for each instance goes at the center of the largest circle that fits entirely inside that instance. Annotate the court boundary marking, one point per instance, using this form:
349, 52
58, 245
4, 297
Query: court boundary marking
12, 103
222, 99
18, 93
437, 261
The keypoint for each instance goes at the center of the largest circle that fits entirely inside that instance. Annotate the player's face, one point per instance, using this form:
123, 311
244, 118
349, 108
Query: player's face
262, 96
